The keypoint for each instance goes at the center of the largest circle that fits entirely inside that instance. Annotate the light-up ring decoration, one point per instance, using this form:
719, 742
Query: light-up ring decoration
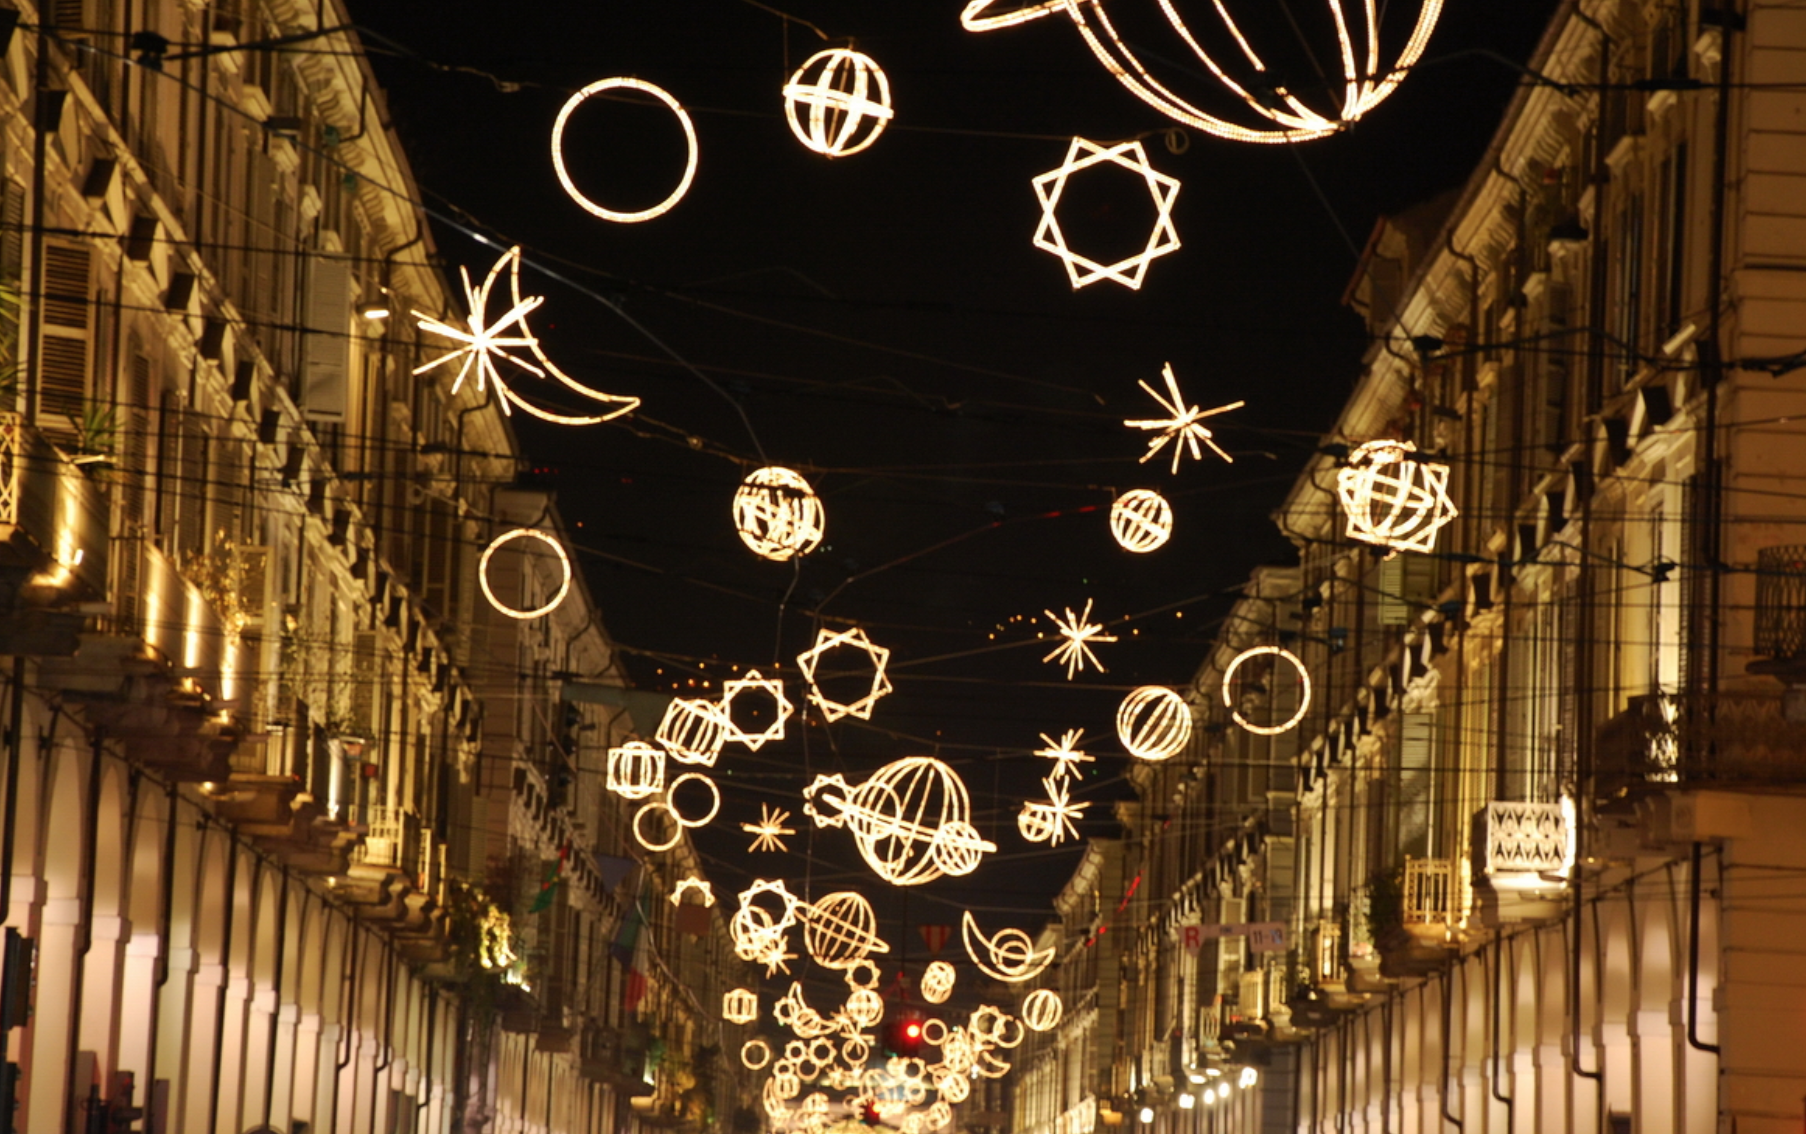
564, 564
1141, 520
847, 99
937, 982
1394, 499
1304, 697
911, 820
668, 804
777, 514
1008, 956
564, 175
1153, 723
1042, 1010
755, 1054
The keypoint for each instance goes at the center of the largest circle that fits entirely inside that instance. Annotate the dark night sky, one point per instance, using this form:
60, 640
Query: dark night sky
889, 329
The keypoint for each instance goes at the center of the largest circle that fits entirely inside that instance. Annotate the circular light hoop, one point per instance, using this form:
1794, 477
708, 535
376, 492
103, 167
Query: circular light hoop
564, 176
1304, 702
1042, 1010
677, 826
1141, 520
671, 800
934, 1030
755, 1054
564, 562
778, 514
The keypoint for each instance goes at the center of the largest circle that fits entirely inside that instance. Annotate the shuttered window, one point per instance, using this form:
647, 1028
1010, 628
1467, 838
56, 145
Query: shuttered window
68, 311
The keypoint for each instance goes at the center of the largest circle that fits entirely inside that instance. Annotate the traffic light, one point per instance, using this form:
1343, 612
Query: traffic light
903, 1035
868, 1114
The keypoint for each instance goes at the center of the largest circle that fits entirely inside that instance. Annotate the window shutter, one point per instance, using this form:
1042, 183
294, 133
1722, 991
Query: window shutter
327, 350
68, 313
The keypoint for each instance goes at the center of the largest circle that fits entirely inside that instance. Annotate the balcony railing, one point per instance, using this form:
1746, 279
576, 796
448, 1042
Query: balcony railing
1431, 892
393, 840
1740, 737
53, 518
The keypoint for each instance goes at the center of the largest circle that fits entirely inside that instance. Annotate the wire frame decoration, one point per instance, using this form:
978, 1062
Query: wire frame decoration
1009, 956
1066, 758
1153, 723
1077, 632
1054, 820
1304, 690
1272, 112
912, 821
760, 933
1141, 520
841, 930
826, 642
485, 342
777, 514
740, 1006
782, 709
768, 833
525, 614
1082, 270
679, 822
692, 731
636, 770
700, 886
1042, 1009
755, 1054
1183, 426
838, 102
622, 83
1394, 499
937, 982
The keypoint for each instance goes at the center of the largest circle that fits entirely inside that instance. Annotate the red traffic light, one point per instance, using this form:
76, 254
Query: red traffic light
912, 1030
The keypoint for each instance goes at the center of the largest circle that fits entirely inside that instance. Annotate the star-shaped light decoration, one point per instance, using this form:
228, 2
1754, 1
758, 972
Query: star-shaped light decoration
1184, 428
827, 641
782, 708
485, 342
1079, 632
1395, 498
1082, 270
1066, 758
1054, 820
770, 830
706, 889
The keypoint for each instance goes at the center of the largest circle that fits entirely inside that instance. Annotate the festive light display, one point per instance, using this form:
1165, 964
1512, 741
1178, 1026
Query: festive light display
841, 930
667, 804
755, 1054
768, 830
1066, 758
693, 883
1153, 723
564, 176
937, 982
693, 731
1183, 428
495, 941
1141, 520
759, 935
1392, 498
781, 709
1304, 696
862, 974
495, 545
1365, 81
777, 514
483, 343
990, 1024
741, 1006
1082, 270
636, 770
827, 641
1042, 1009
1054, 820
911, 820
1079, 632
838, 102
1008, 956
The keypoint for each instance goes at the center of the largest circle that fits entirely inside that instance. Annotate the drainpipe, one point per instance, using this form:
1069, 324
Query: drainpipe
219, 1012
349, 1002
1574, 987
166, 903
1693, 964
1498, 978
388, 1056
269, 1084
1448, 997
432, 1033
85, 938
15, 752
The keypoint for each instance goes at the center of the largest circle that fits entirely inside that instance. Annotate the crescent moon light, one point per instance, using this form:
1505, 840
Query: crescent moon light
1010, 954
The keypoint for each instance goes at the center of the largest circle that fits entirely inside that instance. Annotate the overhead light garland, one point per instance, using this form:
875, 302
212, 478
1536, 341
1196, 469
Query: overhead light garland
838, 102
911, 821
1141, 520
1393, 498
1079, 633
621, 83
1082, 270
1184, 427
558, 596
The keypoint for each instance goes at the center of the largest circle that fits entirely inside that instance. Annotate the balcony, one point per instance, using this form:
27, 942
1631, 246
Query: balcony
393, 879
53, 520
1728, 738
1433, 904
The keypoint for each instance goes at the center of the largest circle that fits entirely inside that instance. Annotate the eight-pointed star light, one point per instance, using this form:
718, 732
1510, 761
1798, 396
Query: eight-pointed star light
1082, 270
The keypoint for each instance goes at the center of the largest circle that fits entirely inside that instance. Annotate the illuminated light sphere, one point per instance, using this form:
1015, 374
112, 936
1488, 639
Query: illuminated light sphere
838, 102
740, 1006
954, 1088
777, 514
1304, 697
1082, 270
865, 1007
693, 731
841, 930
1392, 498
564, 565
564, 175
636, 770
1009, 956
782, 709
1042, 1009
826, 642
911, 821
1141, 520
937, 982
1054, 820
755, 1054
1153, 723
1369, 71
1146, 1115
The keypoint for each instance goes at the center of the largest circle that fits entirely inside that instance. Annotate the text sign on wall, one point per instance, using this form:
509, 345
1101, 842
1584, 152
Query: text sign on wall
1263, 936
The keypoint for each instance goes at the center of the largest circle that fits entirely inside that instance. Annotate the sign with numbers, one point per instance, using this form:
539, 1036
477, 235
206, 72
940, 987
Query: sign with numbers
1263, 936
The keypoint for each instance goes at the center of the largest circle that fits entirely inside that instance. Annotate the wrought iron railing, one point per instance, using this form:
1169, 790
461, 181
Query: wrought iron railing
1431, 892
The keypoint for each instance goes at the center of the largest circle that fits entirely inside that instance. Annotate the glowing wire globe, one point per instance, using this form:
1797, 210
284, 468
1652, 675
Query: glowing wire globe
1392, 498
838, 102
777, 514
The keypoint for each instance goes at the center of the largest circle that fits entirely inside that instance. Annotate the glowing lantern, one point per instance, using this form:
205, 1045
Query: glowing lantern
564, 176
1392, 498
740, 1006
1042, 1010
636, 770
1304, 697
1141, 520
564, 563
838, 102
693, 731
1153, 723
911, 820
937, 982
777, 514
841, 930
1082, 270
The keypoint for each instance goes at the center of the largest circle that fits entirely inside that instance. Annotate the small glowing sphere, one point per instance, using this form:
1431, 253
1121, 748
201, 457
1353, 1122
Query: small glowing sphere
1153, 723
841, 930
1147, 1114
740, 1006
1042, 1010
693, 731
636, 770
937, 982
564, 563
564, 176
1392, 498
838, 102
1141, 520
777, 514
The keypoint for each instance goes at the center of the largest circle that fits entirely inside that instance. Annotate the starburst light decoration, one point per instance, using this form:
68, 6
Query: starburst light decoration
1082, 270
1153, 723
1008, 956
1042, 1009
826, 642
679, 822
781, 708
1184, 428
1054, 820
1141, 520
564, 175
760, 935
838, 102
636, 770
777, 514
911, 821
741, 1006
485, 342
841, 930
1304, 695
937, 982
769, 830
1394, 499
1079, 632
692, 731
693, 883
1278, 113
501, 541
1065, 757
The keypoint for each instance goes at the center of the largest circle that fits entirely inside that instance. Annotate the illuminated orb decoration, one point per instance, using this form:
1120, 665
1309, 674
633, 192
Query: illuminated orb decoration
1042, 1009
826, 642
1153, 723
1055, 820
782, 709
990, 1024
769, 830
911, 820
841, 930
693, 731
564, 175
1066, 758
636, 770
1304, 696
1077, 632
865, 1007
741, 1006
761, 935
564, 565
1009, 956
1141, 520
755, 1054
1082, 270
838, 102
1392, 498
679, 821
793, 1012
937, 982
1271, 112
1184, 427
698, 885
777, 514
954, 1088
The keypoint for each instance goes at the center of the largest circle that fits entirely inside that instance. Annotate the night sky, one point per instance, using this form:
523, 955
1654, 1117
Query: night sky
887, 328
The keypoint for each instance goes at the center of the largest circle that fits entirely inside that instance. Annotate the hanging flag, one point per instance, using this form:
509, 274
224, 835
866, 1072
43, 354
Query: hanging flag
548, 886
613, 870
936, 937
